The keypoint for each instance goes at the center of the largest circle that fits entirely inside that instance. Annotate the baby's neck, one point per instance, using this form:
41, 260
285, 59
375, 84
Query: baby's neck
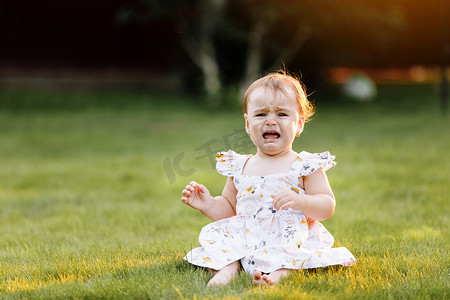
262, 164
267, 156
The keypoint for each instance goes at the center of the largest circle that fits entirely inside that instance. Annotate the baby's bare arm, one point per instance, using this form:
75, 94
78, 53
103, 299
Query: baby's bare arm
198, 197
318, 203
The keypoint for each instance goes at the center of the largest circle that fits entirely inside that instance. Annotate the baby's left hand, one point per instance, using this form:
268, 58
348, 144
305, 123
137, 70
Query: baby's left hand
286, 199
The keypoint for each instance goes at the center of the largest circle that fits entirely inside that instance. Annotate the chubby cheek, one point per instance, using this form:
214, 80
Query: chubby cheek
255, 136
286, 138
255, 128
289, 133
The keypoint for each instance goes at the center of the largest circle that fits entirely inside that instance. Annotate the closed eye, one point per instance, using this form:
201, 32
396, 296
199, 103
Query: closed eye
282, 115
261, 115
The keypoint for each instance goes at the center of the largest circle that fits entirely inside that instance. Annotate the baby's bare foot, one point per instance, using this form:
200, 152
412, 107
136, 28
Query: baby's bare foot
258, 279
224, 275
269, 279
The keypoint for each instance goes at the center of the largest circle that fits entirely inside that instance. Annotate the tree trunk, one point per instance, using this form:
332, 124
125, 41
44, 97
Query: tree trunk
253, 64
203, 55
199, 46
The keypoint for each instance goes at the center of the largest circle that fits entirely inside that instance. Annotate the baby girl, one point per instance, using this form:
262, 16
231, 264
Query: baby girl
267, 218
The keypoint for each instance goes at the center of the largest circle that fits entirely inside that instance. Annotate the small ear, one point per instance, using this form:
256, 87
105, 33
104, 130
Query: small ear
246, 123
300, 125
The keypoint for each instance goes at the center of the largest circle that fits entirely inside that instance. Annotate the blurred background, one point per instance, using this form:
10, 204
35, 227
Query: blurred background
109, 108
214, 48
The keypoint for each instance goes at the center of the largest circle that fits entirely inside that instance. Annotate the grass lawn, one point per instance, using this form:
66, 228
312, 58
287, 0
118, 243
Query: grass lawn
90, 195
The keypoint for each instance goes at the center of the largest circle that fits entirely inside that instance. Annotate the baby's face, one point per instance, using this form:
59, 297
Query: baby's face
273, 120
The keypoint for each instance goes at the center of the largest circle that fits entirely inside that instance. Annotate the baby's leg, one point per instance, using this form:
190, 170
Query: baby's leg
224, 275
270, 279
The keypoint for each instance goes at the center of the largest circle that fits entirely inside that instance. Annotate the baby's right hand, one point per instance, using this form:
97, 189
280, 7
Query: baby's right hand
196, 196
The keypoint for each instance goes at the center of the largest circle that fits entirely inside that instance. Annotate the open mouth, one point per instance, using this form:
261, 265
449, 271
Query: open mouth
271, 135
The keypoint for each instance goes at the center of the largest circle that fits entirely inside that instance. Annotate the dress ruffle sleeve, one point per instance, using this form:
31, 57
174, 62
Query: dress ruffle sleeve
230, 163
307, 163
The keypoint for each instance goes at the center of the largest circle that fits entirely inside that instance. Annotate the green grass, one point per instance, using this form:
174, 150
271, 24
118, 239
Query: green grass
87, 210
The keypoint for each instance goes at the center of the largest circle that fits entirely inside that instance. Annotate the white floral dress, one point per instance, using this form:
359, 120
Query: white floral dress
264, 239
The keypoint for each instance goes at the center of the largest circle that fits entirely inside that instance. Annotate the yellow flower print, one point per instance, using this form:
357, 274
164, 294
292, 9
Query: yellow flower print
207, 259
265, 251
225, 251
246, 230
261, 195
293, 188
299, 244
294, 262
250, 190
209, 242
318, 252
298, 158
219, 156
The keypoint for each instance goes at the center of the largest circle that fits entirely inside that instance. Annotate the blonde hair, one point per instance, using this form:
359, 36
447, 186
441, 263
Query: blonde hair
281, 81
